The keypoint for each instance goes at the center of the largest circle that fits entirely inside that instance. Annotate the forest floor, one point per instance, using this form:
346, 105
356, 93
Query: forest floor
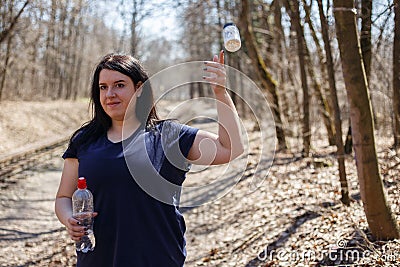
293, 217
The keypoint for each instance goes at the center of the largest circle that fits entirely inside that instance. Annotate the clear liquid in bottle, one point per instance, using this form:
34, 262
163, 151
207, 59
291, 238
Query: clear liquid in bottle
82, 210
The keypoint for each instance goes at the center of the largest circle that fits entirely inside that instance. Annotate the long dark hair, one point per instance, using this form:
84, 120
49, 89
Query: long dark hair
101, 122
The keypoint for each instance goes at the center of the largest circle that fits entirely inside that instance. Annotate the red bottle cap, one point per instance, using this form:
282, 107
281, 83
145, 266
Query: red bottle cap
81, 183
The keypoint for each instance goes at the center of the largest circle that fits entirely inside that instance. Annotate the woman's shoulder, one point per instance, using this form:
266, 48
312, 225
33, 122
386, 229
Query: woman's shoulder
79, 134
86, 134
162, 125
170, 131
169, 124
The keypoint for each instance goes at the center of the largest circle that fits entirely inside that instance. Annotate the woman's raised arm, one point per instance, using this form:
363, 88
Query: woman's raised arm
209, 148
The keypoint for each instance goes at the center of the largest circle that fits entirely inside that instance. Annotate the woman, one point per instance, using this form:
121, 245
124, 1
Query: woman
132, 226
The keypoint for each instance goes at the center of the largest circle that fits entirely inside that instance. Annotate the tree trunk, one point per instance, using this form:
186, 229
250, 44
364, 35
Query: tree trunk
366, 46
71, 50
243, 105
7, 31
262, 72
192, 90
293, 9
336, 110
200, 90
62, 50
4, 71
365, 37
218, 6
134, 37
379, 216
348, 146
396, 74
232, 82
325, 106
50, 52
79, 55
278, 35
36, 83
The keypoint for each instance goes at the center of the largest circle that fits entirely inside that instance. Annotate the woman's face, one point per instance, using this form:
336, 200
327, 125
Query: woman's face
116, 92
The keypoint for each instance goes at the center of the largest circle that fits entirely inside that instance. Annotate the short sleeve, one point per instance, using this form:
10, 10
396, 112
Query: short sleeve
176, 141
186, 139
72, 150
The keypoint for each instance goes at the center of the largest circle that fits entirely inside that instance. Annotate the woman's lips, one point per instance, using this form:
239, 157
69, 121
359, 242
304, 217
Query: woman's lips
112, 104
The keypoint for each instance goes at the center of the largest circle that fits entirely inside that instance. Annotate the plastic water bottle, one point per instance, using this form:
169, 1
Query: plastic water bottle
231, 36
82, 210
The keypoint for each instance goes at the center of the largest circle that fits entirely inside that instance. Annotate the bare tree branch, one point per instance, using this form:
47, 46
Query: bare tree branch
7, 31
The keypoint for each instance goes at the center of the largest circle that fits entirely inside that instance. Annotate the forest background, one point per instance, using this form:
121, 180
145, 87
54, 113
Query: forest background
322, 65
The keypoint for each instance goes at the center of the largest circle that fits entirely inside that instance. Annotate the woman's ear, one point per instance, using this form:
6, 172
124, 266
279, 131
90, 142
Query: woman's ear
139, 88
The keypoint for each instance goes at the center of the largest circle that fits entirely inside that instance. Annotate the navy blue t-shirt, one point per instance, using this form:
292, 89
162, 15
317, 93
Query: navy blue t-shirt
136, 225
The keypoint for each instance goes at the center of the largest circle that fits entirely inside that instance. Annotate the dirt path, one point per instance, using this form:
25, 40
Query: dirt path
30, 234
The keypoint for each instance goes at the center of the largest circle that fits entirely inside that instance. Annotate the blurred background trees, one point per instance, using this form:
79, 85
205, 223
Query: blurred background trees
48, 49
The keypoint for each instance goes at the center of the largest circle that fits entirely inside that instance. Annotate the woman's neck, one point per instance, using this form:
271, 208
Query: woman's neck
121, 129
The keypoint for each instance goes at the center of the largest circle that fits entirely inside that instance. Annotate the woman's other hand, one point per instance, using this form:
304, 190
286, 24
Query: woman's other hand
75, 230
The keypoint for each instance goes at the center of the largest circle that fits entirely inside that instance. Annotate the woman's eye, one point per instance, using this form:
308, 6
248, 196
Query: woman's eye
120, 85
103, 87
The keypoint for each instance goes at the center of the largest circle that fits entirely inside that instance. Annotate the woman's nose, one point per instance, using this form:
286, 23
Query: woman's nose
110, 92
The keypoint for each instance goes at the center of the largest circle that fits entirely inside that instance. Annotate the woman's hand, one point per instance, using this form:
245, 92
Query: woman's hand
75, 230
217, 72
